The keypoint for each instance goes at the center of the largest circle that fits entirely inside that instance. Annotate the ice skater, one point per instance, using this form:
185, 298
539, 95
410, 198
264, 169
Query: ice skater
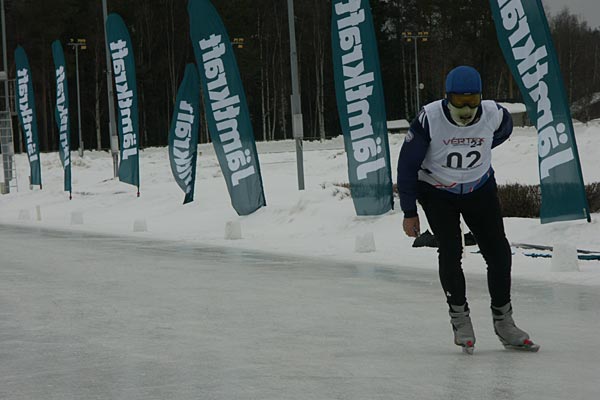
445, 164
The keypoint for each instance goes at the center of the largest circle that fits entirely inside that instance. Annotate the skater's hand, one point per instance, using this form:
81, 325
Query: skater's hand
411, 226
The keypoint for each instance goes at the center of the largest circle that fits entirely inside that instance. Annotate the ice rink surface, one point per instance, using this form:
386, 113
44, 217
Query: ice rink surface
97, 317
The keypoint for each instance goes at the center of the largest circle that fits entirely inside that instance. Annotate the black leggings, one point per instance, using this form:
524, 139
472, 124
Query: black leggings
481, 212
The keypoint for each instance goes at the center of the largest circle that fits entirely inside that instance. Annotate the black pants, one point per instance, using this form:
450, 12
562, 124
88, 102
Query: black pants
481, 212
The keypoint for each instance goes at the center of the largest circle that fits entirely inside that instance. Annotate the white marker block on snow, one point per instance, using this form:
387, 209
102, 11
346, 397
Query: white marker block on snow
365, 243
233, 230
24, 215
76, 218
564, 258
139, 225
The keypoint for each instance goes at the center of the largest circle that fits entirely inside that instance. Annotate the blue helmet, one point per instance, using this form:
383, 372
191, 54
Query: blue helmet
463, 79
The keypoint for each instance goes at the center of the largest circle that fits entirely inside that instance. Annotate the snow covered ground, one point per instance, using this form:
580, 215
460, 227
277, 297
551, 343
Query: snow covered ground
318, 222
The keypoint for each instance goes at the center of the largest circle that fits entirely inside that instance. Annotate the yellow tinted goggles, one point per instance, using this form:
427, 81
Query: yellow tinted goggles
462, 100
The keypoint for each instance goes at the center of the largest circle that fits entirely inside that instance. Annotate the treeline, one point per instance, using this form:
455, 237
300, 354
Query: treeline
459, 32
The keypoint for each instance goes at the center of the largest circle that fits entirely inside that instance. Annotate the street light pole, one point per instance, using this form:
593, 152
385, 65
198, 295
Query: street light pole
112, 124
78, 101
77, 44
297, 124
410, 37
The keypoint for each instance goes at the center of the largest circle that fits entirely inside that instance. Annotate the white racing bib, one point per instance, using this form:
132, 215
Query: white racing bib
459, 154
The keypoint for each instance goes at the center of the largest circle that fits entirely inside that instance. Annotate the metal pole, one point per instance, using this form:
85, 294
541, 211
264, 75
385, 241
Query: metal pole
78, 101
417, 75
114, 138
5, 62
7, 152
297, 124
409, 36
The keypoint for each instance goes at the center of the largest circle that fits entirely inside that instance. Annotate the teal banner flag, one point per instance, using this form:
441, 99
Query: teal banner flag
361, 106
123, 62
526, 42
226, 109
61, 112
183, 136
27, 116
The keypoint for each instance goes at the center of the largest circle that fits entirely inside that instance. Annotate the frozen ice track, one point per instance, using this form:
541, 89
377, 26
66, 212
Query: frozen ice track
95, 317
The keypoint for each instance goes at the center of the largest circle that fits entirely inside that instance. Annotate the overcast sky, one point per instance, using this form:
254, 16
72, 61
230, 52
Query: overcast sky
589, 10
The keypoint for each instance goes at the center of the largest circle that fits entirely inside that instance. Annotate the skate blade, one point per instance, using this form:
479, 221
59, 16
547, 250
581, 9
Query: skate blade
468, 348
528, 345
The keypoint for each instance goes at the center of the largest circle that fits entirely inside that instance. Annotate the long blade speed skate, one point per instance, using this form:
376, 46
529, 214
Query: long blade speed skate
462, 328
527, 345
509, 334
